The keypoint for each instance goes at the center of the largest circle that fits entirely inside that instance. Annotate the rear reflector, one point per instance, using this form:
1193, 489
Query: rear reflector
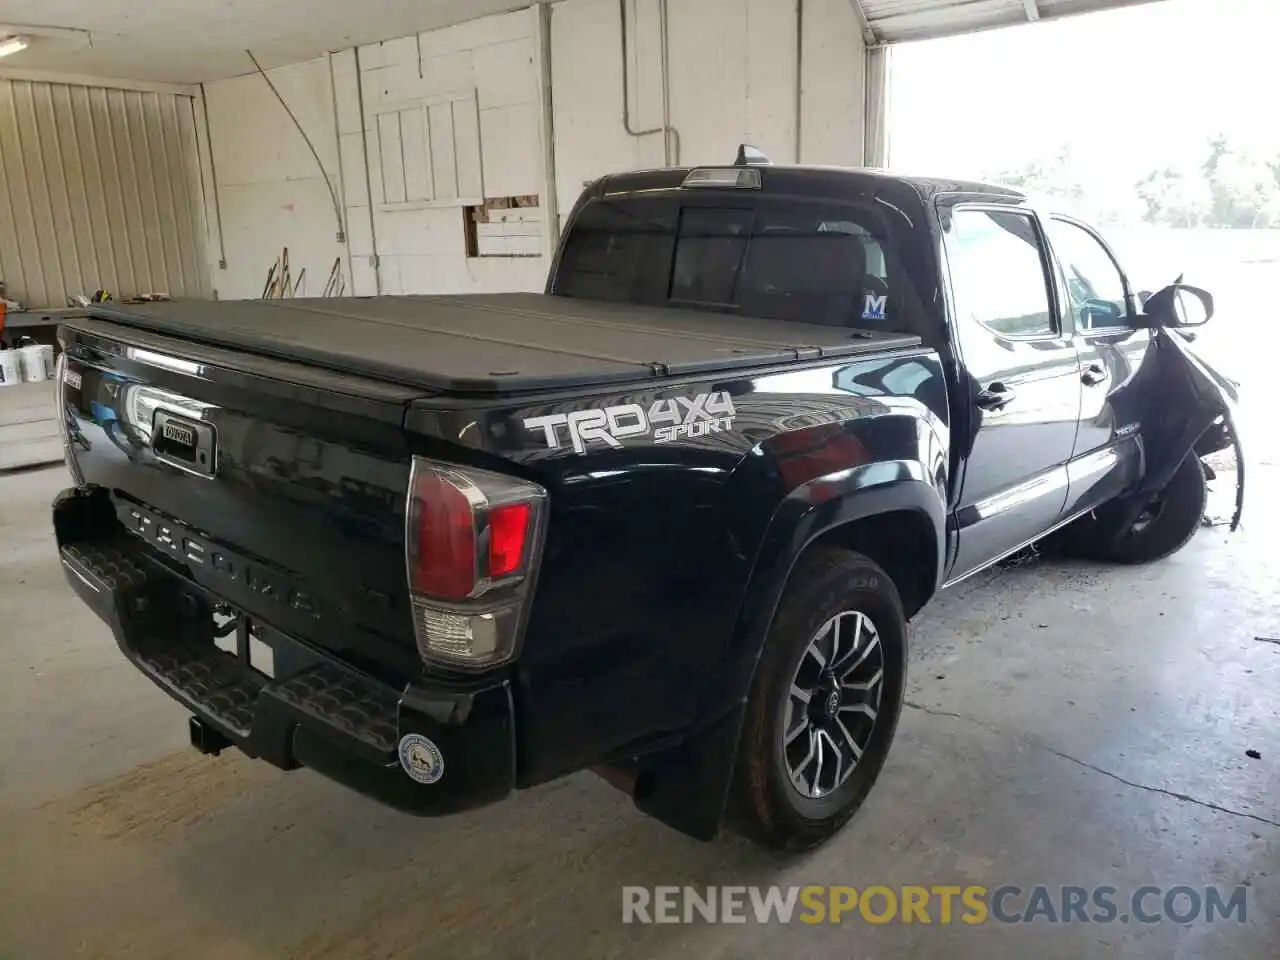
472, 542
508, 530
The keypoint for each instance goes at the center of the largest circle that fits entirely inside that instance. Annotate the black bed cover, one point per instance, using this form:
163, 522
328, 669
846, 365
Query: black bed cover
496, 343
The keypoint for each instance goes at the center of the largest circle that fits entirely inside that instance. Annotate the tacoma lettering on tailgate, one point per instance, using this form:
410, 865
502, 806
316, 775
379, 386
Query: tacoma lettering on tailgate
176, 541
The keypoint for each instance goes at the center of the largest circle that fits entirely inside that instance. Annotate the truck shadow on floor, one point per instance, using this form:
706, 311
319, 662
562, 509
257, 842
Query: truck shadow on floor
229, 851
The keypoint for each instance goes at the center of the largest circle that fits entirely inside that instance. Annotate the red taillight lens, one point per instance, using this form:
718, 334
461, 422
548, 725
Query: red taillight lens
473, 540
508, 528
443, 561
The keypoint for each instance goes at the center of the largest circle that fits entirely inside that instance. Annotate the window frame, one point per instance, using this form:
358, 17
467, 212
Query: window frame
729, 306
1130, 323
684, 200
1048, 266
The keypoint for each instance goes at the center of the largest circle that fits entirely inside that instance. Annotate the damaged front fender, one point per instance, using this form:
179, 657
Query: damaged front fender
1193, 409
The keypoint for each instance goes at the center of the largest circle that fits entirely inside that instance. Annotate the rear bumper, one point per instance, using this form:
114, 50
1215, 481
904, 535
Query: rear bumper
317, 712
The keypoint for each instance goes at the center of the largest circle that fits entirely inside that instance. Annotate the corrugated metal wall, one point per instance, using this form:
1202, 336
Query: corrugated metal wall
98, 189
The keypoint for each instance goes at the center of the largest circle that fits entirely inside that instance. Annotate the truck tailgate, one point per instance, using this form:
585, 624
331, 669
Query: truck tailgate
300, 526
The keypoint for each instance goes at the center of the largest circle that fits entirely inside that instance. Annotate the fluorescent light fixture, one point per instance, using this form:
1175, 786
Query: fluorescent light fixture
11, 45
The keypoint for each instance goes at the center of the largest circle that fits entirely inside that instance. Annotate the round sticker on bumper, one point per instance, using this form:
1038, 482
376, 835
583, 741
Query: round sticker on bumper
420, 758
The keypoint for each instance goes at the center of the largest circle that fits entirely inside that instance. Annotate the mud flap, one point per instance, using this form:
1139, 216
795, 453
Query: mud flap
687, 786
1192, 410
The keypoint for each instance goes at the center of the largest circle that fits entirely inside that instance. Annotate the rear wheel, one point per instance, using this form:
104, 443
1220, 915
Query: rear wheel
824, 703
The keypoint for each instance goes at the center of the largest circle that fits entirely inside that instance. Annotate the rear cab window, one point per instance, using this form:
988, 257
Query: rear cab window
781, 258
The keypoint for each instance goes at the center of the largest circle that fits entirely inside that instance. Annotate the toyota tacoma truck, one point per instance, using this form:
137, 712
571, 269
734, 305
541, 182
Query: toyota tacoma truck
666, 520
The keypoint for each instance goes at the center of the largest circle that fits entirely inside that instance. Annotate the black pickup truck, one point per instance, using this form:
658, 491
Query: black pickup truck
667, 521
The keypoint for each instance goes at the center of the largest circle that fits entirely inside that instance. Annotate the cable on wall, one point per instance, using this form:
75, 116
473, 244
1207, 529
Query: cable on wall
333, 194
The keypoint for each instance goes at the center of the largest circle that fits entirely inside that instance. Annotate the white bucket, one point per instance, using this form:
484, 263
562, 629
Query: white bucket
37, 362
10, 368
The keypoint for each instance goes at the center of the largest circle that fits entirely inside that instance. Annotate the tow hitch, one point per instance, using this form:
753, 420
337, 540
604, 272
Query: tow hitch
205, 739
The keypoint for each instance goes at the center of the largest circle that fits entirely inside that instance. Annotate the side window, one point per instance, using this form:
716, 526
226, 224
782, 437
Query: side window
1095, 285
998, 272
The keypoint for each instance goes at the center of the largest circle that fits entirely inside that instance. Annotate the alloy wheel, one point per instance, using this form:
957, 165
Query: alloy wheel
1149, 515
832, 704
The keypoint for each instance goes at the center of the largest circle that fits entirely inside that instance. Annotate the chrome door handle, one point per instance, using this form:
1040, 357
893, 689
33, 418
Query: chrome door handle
1093, 375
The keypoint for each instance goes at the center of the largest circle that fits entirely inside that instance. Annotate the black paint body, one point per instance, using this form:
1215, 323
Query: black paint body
663, 561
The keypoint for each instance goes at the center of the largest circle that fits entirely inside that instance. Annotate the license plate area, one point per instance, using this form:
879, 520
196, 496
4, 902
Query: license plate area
189, 445
247, 642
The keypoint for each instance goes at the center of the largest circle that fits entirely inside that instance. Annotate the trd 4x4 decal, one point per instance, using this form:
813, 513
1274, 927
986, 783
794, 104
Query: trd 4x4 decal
665, 420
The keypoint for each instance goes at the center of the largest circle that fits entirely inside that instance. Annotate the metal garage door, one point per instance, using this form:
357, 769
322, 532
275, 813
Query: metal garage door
97, 190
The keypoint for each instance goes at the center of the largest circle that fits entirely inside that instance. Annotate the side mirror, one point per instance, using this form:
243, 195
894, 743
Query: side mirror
1179, 305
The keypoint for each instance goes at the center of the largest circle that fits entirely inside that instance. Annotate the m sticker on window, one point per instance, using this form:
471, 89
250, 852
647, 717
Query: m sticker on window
874, 306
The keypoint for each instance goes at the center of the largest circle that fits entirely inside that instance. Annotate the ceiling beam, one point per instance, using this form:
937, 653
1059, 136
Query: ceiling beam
109, 83
1033, 11
869, 35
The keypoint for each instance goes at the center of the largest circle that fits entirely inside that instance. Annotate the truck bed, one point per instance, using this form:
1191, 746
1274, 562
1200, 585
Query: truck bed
497, 343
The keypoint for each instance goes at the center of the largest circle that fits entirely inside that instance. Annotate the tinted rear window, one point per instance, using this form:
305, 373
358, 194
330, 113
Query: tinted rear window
818, 263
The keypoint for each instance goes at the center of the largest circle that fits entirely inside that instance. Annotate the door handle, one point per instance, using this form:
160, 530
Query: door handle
994, 396
1093, 375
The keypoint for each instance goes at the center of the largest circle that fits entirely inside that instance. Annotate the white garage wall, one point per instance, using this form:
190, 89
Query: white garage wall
485, 69
732, 79
395, 123
836, 104
272, 195
270, 192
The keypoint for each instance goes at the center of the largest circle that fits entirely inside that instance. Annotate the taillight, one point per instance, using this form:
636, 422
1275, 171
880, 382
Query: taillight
66, 415
472, 543
444, 564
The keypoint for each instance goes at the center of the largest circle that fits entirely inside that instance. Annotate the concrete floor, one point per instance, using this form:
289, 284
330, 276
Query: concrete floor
1069, 725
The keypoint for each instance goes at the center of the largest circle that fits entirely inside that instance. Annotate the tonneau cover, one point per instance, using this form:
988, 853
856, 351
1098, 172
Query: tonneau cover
491, 343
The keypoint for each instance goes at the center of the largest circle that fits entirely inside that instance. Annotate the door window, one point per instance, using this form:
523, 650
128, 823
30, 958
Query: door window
998, 272
1095, 285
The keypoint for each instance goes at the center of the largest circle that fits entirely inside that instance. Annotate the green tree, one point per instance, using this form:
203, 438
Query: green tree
1171, 198
1243, 187
1054, 177
1233, 188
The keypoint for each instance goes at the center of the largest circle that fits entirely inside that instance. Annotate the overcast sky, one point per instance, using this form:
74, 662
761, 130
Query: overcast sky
1135, 89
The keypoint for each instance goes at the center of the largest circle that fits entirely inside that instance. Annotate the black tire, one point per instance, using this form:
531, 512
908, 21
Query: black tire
1168, 525
1175, 518
765, 804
